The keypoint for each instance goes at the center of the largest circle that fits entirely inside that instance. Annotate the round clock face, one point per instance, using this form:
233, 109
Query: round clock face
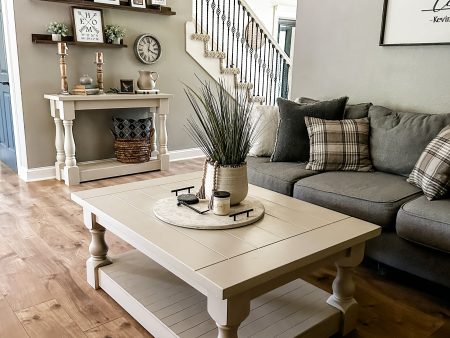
147, 49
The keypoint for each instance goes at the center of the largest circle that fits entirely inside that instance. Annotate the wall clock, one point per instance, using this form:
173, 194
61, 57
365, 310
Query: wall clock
147, 49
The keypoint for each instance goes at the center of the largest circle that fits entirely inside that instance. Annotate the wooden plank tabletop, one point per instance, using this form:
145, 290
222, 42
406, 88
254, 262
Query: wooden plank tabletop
291, 235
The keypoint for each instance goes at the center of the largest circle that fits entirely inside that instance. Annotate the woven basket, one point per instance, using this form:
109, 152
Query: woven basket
133, 151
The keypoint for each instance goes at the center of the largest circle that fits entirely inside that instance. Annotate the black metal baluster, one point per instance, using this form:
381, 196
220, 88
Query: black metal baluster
228, 37
213, 8
242, 43
237, 32
218, 24
266, 79
251, 50
207, 16
276, 76
201, 16
224, 17
262, 62
255, 47
270, 74
196, 16
246, 46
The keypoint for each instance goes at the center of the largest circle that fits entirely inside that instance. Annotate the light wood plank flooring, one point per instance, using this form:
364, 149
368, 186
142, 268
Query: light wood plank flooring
43, 293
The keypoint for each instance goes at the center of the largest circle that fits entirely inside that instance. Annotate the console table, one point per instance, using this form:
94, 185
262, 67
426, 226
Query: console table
63, 109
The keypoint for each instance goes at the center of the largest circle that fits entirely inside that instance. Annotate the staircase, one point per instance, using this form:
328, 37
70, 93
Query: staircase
229, 41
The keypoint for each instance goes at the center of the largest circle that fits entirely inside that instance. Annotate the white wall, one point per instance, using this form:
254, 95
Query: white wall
337, 53
269, 11
39, 74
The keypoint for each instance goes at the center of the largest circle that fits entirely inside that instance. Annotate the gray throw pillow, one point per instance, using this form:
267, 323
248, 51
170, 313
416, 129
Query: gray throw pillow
292, 143
398, 139
352, 111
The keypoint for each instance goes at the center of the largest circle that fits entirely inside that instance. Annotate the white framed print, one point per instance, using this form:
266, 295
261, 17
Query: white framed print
158, 2
88, 25
108, 2
138, 3
415, 22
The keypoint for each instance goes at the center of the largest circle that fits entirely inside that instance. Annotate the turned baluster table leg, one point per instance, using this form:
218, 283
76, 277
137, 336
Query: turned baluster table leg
97, 248
162, 112
154, 146
59, 140
71, 170
344, 288
228, 314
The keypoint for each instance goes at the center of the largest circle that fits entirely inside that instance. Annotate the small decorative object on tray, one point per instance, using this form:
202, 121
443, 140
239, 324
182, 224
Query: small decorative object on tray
57, 30
221, 203
114, 34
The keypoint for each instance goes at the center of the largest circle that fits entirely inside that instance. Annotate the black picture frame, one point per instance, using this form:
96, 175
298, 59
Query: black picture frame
126, 86
76, 36
382, 42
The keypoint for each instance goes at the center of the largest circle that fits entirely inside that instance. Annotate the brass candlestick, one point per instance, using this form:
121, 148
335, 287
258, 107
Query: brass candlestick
99, 62
62, 52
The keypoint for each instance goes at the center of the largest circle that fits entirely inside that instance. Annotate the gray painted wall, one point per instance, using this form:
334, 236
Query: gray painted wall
39, 73
337, 54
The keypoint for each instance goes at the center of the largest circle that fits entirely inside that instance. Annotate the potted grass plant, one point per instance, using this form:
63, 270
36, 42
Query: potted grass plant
221, 127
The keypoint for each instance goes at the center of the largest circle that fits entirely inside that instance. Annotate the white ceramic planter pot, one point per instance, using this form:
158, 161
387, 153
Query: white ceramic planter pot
56, 37
117, 41
230, 178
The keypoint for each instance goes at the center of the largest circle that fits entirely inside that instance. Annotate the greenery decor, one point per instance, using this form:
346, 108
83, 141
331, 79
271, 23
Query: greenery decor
221, 124
58, 28
114, 32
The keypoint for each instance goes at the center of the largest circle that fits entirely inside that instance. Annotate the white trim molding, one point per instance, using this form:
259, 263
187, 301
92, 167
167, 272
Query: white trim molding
48, 173
9, 27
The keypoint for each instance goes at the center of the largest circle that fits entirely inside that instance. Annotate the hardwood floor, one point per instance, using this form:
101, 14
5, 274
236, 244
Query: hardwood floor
43, 293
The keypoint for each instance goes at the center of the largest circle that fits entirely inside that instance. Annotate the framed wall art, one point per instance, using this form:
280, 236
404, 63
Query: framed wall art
415, 22
126, 86
138, 3
88, 25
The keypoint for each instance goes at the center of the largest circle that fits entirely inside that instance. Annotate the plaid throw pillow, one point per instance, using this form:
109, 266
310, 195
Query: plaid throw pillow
338, 145
432, 171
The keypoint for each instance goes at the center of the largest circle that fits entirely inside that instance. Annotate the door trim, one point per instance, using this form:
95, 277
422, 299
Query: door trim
9, 27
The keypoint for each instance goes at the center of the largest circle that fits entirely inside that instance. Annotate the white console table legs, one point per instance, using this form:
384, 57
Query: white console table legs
63, 110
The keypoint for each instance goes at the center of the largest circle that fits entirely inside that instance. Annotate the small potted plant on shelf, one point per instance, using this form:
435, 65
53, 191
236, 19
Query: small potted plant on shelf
221, 127
114, 34
58, 30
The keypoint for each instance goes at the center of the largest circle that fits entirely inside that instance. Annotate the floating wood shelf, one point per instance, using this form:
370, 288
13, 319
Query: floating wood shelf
161, 10
47, 39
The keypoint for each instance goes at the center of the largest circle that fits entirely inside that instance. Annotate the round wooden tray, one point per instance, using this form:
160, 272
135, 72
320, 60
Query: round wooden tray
167, 211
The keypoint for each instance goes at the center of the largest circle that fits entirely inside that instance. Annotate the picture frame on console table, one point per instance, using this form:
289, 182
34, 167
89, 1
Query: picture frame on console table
415, 22
87, 25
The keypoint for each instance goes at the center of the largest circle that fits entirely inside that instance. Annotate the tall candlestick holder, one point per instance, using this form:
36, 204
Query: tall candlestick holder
99, 62
62, 52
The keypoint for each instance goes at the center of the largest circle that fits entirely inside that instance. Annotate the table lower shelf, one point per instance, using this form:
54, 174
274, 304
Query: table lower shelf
95, 170
168, 307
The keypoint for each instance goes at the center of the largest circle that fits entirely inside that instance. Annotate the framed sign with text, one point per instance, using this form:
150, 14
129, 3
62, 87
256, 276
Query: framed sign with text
88, 25
415, 22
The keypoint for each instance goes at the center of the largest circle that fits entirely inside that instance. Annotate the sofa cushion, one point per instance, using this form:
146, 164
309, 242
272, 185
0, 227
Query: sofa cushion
425, 222
432, 172
292, 142
276, 176
352, 111
373, 196
398, 139
338, 145
265, 123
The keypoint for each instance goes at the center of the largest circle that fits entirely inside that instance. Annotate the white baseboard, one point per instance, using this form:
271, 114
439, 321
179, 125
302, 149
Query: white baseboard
185, 154
48, 173
37, 174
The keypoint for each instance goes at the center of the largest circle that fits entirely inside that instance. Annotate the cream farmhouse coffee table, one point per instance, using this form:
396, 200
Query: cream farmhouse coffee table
243, 282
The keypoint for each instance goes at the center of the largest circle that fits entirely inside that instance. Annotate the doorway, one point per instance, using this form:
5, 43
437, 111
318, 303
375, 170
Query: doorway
286, 29
7, 145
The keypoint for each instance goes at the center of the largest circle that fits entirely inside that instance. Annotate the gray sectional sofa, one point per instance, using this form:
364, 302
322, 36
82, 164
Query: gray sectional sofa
416, 232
